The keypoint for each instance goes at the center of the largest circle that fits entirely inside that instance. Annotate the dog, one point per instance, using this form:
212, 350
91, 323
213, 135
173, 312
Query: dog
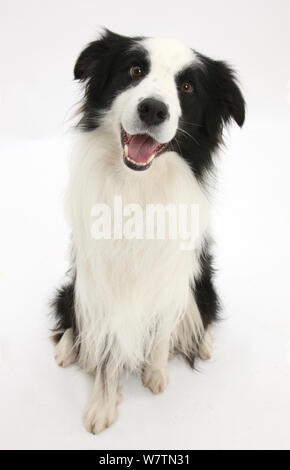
150, 126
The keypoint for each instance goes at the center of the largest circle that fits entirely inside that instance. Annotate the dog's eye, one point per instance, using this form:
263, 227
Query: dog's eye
186, 87
136, 71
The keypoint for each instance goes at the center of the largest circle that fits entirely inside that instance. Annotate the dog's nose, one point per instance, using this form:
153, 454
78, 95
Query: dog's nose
152, 111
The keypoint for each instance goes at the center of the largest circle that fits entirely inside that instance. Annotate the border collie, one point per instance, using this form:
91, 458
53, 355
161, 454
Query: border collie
150, 125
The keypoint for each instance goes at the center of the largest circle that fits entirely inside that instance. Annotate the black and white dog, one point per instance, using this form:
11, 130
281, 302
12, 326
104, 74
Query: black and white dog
152, 121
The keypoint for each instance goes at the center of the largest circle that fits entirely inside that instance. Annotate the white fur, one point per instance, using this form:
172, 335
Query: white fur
206, 345
155, 375
125, 288
65, 353
190, 325
131, 294
167, 58
102, 410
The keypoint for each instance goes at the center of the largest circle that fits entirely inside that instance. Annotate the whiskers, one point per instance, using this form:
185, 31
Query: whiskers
190, 123
176, 142
172, 145
179, 129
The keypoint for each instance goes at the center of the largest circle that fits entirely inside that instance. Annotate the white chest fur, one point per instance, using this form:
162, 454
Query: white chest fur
128, 291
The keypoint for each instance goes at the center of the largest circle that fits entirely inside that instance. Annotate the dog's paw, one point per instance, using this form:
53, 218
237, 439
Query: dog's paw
98, 417
155, 379
206, 346
64, 351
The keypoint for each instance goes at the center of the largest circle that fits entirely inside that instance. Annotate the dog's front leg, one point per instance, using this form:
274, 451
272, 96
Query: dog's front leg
155, 374
102, 410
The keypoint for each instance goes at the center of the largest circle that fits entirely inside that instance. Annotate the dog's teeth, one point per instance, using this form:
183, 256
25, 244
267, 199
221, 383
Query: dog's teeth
134, 161
151, 158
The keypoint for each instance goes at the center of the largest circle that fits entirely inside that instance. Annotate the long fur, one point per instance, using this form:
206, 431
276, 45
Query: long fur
127, 296
123, 304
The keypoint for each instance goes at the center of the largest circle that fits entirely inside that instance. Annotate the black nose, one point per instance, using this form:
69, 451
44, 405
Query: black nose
152, 111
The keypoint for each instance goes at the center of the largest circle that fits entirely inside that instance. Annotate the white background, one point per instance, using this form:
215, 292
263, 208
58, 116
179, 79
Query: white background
241, 398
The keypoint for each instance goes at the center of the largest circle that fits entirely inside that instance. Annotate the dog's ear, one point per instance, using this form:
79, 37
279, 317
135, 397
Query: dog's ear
231, 98
86, 61
224, 97
97, 52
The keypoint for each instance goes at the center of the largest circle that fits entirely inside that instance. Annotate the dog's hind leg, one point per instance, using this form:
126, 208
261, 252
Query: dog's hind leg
189, 332
102, 410
155, 374
63, 306
65, 352
206, 345
207, 301
65, 337
193, 336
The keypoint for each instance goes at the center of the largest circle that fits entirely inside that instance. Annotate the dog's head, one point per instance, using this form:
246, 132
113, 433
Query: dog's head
158, 95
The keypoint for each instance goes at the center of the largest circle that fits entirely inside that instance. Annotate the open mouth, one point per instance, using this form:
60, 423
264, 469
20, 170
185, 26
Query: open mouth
139, 150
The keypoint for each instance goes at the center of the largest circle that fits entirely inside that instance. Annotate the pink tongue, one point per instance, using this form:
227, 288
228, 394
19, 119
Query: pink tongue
141, 147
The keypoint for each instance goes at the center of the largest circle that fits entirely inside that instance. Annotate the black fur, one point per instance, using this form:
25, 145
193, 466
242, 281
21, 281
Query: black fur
63, 306
205, 295
104, 65
216, 99
207, 300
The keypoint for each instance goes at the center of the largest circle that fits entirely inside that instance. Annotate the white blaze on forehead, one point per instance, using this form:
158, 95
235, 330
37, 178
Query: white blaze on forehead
168, 56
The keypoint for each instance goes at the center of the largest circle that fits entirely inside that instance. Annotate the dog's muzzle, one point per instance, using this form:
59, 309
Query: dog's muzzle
139, 150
